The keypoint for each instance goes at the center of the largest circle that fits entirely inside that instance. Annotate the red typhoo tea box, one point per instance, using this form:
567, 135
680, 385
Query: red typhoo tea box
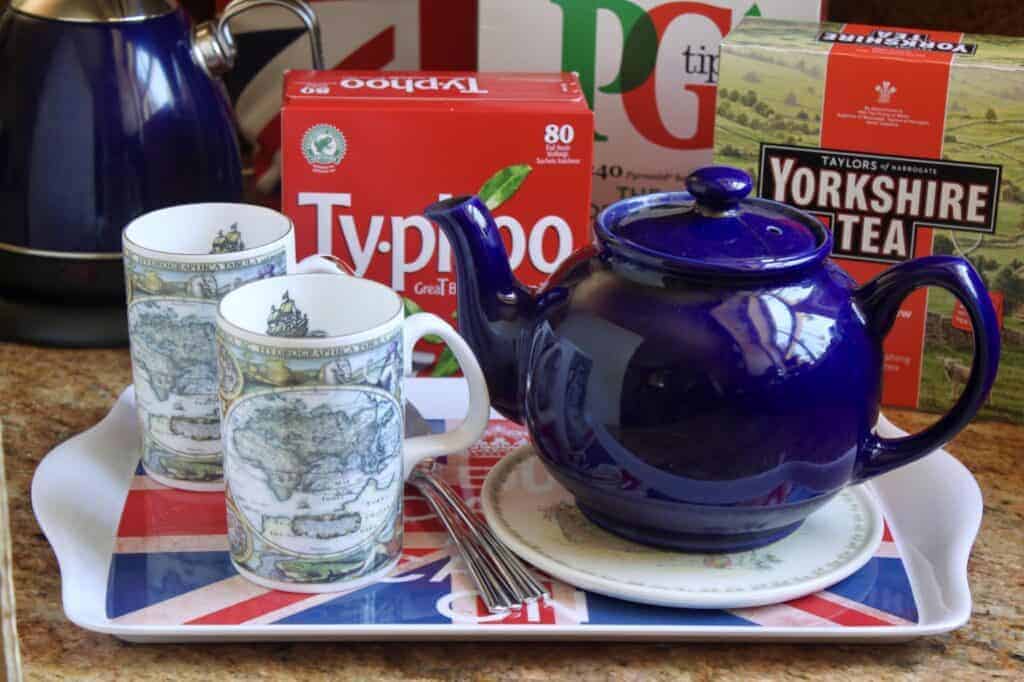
364, 152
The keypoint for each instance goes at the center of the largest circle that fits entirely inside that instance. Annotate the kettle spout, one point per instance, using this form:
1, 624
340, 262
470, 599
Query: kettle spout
495, 311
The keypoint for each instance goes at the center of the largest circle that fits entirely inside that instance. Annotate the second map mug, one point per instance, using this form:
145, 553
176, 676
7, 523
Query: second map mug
311, 388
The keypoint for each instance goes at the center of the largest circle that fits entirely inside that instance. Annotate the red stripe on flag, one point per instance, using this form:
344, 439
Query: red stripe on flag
431, 525
408, 553
886, 533
250, 608
546, 615
489, 460
448, 34
834, 612
148, 513
417, 507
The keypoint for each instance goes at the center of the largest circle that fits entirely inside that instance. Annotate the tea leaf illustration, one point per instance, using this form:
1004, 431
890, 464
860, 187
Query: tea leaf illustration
446, 365
503, 185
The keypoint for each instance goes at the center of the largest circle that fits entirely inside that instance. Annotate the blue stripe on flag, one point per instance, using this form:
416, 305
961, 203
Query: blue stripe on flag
608, 611
408, 603
882, 584
140, 580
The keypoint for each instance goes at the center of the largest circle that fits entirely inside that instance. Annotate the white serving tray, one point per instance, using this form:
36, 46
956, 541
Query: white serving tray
80, 488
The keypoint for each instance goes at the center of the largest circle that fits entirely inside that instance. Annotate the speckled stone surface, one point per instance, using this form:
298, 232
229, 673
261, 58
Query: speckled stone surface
50, 395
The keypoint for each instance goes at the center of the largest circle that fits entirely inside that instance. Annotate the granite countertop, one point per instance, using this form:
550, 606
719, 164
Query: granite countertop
50, 395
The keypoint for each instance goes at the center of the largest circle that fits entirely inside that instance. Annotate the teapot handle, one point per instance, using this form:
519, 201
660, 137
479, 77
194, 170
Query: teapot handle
880, 300
213, 46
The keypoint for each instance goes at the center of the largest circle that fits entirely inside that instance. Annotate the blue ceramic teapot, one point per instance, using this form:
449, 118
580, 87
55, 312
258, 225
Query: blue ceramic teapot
704, 376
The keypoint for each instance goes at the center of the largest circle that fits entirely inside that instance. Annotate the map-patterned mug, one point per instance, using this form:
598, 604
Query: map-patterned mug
311, 370
179, 262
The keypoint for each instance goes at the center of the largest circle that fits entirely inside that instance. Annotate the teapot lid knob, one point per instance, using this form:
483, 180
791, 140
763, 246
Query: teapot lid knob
719, 187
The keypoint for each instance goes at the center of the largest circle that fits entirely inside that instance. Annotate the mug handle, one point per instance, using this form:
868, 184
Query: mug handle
419, 448
318, 263
880, 300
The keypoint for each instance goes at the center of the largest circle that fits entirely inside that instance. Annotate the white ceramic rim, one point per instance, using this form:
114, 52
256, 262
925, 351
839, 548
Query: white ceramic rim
672, 598
387, 325
131, 243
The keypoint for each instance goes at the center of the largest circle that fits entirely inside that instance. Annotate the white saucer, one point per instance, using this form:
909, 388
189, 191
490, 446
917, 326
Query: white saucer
537, 518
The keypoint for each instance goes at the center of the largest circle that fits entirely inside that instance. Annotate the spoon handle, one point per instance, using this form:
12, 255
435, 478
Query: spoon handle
527, 588
496, 596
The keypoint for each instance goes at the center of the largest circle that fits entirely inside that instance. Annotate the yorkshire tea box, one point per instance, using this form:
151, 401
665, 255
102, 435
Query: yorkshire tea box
906, 143
648, 68
364, 152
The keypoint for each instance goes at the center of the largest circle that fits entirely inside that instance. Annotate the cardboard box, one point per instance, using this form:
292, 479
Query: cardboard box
906, 143
365, 152
649, 69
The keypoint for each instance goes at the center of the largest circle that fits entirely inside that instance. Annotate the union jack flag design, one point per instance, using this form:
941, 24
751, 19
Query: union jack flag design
357, 34
171, 567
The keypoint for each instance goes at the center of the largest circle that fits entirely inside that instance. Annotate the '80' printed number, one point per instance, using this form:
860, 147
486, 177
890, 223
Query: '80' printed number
554, 133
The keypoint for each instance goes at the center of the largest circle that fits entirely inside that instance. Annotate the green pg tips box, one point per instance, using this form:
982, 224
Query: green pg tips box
648, 68
905, 143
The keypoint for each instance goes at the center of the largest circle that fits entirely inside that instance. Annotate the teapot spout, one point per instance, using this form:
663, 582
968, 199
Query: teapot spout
495, 311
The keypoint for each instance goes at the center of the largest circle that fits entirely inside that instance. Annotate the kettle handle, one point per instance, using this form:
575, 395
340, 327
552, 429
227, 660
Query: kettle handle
880, 300
213, 46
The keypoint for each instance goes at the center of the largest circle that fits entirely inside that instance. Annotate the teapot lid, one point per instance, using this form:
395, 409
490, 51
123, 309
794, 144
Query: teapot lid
95, 11
714, 229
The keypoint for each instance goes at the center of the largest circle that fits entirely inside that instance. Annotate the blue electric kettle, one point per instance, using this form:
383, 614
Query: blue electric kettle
108, 109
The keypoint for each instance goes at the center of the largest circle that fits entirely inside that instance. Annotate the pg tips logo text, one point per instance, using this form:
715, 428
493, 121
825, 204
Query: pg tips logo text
658, 33
324, 147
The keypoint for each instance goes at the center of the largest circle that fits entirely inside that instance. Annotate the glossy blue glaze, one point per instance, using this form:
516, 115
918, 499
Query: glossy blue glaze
880, 299
720, 187
102, 122
713, 230
499, 309
695, 408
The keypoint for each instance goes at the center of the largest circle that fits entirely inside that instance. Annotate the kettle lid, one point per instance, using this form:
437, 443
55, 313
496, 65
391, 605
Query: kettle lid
714, 229
95, 11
